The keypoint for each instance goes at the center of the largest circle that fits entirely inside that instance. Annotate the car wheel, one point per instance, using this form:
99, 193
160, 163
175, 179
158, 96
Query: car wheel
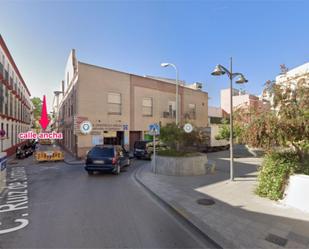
118, 169
90, 172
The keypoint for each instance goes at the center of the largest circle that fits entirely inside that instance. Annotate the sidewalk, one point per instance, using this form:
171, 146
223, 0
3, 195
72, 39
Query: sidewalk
239, 218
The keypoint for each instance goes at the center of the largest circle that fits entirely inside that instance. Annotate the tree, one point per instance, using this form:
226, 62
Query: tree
177, 139
240, 117
37, 103
288, 124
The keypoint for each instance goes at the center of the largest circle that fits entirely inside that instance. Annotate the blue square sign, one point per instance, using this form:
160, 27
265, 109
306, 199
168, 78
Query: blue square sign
154, 129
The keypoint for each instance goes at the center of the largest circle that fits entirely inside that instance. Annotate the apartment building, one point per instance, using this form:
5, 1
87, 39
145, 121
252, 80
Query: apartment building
293, 78
120, 105
15, 104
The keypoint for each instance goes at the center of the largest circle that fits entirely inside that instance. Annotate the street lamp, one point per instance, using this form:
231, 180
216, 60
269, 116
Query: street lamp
218, 71
172, 65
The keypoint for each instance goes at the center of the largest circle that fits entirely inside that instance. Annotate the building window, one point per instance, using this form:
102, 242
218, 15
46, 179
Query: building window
147, 107
12, 135
6, 104
1, 66
1, 99
114, 103
172, 109
192, 111
7, 130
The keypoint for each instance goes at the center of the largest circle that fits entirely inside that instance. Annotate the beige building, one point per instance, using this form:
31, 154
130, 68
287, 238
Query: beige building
120, 106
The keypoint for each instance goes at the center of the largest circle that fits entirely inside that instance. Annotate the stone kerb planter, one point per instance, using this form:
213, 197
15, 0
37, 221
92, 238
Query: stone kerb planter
180, 166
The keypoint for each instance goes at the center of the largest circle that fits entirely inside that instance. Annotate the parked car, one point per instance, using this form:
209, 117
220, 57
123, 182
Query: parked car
107, 158
26, 149
144, 149
20, 152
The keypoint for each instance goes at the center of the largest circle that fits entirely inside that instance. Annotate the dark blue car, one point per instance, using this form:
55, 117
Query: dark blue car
107, 158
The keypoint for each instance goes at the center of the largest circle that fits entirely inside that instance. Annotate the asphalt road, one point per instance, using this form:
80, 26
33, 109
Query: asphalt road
69, 209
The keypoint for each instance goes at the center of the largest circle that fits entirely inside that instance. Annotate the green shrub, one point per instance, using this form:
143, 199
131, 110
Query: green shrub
274, 173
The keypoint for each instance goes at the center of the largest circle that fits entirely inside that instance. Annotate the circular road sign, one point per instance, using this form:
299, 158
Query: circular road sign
85, 127
188, 128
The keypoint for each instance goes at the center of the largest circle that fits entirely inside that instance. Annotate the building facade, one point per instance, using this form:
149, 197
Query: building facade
120, 106
292, 78
243, 100
15, 104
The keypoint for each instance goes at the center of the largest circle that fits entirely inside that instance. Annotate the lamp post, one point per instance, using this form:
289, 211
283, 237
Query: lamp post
218, 71
177, 109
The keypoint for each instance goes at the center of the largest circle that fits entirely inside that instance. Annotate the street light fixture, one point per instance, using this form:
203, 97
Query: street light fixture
177, 109
218, 71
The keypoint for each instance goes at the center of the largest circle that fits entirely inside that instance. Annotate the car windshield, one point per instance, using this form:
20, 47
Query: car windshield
102, 152
140, 144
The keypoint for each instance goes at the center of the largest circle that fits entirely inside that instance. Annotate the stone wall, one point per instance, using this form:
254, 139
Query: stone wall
180, 166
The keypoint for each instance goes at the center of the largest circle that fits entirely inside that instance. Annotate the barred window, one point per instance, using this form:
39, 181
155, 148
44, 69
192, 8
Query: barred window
147, 107
114, 103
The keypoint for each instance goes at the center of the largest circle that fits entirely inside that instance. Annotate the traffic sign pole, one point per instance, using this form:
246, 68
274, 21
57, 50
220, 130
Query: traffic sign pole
154, 129
154, 154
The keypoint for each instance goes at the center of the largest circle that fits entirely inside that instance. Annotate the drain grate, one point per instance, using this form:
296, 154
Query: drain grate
275, 239
206, 202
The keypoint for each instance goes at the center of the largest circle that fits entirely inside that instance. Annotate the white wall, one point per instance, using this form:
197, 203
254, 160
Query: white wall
297, 192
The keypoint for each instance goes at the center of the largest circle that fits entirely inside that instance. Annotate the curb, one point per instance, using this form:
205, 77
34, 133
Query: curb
209, 234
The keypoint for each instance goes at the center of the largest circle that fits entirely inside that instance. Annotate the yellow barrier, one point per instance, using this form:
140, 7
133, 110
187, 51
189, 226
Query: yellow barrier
45, 141
49, 156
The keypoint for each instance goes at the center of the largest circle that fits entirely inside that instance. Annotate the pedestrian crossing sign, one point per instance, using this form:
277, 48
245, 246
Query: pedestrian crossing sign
154, 129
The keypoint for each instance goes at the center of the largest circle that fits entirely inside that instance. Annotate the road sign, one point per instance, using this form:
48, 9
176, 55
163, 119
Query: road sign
154, 129
188, 128
85, 127
2, 133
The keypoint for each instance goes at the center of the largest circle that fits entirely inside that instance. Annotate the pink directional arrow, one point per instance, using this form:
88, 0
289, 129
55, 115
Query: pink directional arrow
44, 121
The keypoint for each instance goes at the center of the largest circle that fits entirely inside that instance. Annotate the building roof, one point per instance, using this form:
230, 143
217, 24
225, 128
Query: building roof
172, 81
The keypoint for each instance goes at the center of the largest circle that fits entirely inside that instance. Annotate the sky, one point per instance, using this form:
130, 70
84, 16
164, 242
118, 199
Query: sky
136, 36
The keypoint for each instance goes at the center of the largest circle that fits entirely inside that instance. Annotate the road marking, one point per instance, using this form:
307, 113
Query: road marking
15, 200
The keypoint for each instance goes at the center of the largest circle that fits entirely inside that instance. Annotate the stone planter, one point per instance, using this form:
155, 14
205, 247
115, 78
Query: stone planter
297, 192
180, 166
